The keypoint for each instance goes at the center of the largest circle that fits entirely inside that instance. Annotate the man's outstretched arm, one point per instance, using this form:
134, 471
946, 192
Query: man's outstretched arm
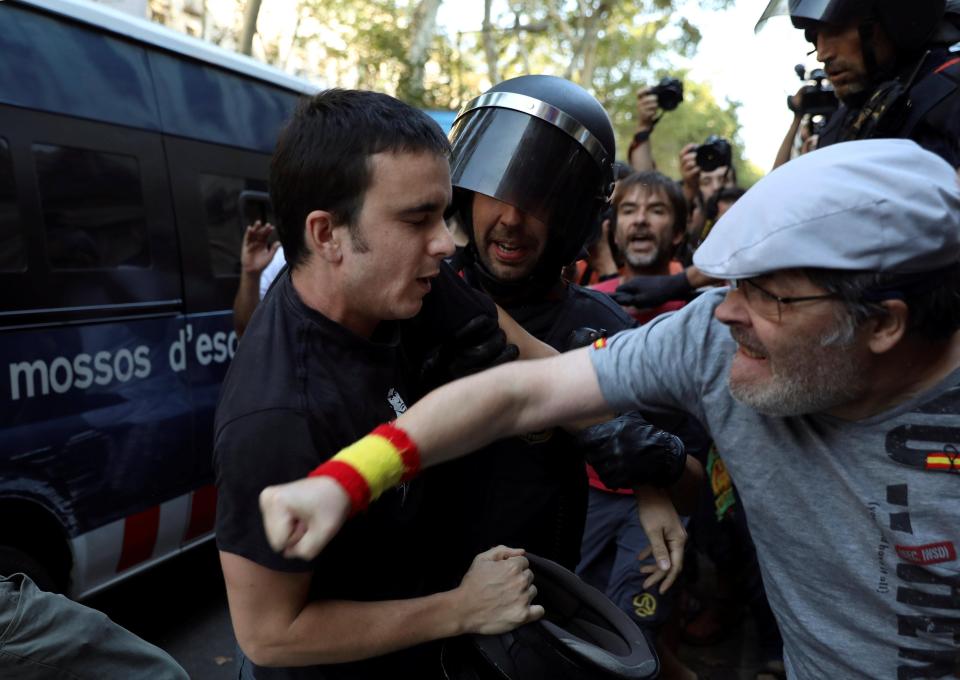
526, 396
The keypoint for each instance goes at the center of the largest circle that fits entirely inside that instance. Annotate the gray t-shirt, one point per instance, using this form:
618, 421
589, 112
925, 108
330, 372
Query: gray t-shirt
856, 523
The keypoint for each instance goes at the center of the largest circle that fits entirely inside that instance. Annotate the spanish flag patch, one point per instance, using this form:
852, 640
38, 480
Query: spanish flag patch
943, 461
600, 343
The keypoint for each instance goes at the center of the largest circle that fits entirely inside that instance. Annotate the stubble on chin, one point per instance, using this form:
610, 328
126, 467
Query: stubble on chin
803, 382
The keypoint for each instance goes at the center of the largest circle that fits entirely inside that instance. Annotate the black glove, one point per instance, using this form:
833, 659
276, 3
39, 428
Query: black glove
652, 291
628, 451
479, 345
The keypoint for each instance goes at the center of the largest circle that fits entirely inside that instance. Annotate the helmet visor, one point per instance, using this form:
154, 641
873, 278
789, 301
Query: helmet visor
525, 162
826, 11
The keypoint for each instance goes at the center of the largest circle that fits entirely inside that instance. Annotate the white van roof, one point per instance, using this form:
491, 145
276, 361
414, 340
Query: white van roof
142, 30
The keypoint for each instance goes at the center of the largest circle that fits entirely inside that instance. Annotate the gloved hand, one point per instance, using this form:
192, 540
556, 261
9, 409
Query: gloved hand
652, 291
628, 451
478, 345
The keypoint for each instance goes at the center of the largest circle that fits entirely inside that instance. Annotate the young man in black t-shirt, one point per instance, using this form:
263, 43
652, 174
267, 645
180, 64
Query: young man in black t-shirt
359, 182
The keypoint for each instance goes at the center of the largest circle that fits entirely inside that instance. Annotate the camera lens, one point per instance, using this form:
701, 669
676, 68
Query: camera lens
669, 93
715, 153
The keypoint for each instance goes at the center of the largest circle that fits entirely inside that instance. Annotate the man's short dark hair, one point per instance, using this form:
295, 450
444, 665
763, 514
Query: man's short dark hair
933, 298
322, 158
655, 181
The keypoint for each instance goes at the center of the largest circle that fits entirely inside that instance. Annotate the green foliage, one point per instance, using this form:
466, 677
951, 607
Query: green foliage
612, 47
365, 37
699, 116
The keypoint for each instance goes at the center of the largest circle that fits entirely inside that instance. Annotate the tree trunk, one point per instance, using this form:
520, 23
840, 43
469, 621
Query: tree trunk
424, 27
489, 45
250, 15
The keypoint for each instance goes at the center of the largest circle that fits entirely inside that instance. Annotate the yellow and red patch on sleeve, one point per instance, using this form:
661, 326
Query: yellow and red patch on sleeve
943, 461
600, 343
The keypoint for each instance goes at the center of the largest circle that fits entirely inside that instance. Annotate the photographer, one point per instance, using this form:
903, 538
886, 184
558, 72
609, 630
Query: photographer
785, 153
813, 105
705, 169
666, 96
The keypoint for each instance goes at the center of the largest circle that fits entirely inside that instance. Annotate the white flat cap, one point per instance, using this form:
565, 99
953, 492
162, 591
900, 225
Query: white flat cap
883, 205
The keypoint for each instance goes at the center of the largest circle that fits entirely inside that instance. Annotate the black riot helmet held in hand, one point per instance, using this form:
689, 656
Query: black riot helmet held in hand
545, 146
583, 636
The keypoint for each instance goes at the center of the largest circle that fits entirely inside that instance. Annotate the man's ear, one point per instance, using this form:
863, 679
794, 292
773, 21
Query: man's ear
886, 331
320, 236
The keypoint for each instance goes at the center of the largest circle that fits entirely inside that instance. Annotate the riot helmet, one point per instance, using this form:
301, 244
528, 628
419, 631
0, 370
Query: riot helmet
910, 25
583, 636
543, 145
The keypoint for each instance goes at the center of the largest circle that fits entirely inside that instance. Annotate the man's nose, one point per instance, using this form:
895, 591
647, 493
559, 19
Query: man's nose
511, 215
826, 47
441, 244
733, 309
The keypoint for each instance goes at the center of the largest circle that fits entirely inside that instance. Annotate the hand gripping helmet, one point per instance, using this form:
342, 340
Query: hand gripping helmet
543, 145
910, 25
583, 636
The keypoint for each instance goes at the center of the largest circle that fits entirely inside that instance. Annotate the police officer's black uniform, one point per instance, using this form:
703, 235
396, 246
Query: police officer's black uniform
917, 97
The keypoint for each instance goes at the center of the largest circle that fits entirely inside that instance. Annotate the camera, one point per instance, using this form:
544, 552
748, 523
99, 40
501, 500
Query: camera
714, 153
669, 93
816, 99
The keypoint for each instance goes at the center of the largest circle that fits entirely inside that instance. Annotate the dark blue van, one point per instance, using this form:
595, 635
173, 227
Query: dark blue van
127, 154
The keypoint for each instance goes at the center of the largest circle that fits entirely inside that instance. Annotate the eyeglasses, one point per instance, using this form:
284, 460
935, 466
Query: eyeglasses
768, 305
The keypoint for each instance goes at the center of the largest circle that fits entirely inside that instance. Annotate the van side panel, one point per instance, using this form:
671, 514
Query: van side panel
124, 165
100, 415
202, 102
107, 78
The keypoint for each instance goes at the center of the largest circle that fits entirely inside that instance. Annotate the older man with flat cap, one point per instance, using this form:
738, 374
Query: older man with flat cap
829, 375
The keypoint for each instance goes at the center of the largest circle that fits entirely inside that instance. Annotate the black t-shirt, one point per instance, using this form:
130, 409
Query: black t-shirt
300, 388
525, 492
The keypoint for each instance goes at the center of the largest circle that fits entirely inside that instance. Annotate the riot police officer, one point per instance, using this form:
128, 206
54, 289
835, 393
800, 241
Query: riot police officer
890, 66
531, 168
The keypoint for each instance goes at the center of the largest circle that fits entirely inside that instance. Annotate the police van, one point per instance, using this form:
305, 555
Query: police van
130, 159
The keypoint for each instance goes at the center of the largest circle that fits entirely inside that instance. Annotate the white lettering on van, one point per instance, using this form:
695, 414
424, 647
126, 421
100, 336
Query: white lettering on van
61, 374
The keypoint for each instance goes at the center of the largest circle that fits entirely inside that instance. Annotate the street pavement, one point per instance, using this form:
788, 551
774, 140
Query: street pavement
181, 607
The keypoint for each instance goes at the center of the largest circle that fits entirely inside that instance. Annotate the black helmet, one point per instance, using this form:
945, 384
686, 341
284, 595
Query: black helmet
583, 636
541, 144
910, 25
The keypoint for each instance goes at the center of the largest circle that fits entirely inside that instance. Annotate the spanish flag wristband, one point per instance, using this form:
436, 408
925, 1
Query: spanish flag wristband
370, 466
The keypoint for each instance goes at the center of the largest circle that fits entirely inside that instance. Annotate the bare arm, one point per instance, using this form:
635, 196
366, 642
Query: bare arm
255, 255
529, 346
640, 155
246, 300
276, 625
524, 396
786, 147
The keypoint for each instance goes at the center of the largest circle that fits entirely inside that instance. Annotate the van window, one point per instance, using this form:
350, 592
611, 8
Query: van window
199, 101
223, 219
12, 256
93, 208
58, 66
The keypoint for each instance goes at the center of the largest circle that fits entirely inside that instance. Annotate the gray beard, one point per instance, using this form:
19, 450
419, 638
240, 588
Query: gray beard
821, 379
644, 261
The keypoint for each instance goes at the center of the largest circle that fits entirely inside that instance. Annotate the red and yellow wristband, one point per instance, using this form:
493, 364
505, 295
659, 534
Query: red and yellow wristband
370, 466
